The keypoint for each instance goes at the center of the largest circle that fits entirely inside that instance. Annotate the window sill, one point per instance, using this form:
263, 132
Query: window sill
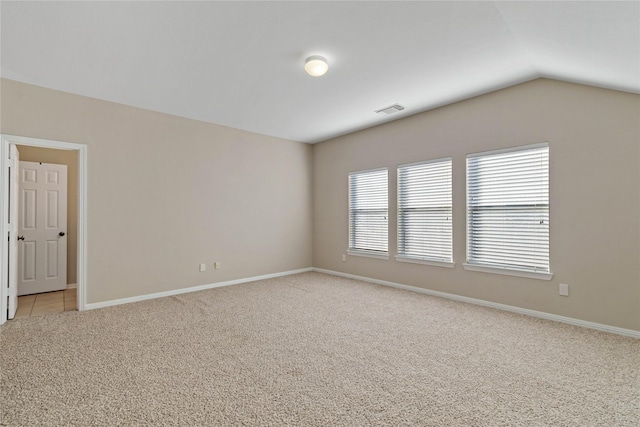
368, 254
509, 272
446, 264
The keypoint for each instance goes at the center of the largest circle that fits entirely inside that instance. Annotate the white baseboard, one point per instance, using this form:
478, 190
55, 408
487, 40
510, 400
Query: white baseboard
172, 292
72, 286
540, 314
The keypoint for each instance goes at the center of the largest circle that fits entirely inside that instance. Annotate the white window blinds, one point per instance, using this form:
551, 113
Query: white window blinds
368, 212
424, 211
508, 209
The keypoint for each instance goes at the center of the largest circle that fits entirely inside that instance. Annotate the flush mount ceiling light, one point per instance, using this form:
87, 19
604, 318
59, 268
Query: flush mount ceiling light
316, 65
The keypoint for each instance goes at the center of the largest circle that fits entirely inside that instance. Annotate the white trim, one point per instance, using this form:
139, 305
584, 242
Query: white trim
82, 211
173, 292
4, 227
72, 286
413, 260
508, 150
44, 143
533, 313
83, 191
367, 254
426, 162
508, 271
383, 168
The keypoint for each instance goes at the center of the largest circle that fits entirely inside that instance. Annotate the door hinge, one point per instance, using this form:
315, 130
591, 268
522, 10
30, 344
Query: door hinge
11, 162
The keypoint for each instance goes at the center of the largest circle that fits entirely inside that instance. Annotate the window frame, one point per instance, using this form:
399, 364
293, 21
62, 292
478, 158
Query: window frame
402, 227
369, 253
498, 269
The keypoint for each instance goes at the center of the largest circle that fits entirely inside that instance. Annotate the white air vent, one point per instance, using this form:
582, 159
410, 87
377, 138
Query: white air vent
391, 109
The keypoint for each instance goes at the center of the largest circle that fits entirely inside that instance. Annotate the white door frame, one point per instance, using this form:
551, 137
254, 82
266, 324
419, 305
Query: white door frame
7, 140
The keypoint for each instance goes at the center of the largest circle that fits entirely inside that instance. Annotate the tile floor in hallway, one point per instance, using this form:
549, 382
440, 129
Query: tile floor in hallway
47, 303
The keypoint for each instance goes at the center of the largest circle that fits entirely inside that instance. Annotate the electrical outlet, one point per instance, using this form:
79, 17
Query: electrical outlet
203, 267
344, 258
564, 289
217, 265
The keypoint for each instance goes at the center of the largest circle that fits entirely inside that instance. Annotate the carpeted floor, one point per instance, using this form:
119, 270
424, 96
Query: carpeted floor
313, 350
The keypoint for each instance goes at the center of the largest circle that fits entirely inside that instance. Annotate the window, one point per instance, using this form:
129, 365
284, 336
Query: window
368, 213
424, 213
508, 211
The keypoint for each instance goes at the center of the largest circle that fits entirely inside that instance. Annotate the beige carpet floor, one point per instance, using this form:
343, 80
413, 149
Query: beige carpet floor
313, 350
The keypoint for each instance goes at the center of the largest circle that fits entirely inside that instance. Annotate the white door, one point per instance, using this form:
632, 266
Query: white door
42, 228
13, 230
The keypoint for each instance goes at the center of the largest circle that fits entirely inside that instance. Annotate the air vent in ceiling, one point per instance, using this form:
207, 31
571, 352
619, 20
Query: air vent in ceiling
391, 109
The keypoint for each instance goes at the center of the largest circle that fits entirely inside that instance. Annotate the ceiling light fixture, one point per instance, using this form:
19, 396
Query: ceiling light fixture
316, 65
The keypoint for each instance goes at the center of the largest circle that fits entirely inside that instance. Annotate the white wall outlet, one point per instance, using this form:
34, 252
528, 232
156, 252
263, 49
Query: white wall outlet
217, 265
344, 258
203, 267
564, 289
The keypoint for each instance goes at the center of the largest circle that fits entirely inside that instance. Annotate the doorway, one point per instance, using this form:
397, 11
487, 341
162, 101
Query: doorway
47, 231
75, 156
47, 219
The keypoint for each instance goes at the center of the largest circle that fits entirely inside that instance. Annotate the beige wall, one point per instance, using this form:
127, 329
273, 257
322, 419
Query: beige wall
69, 158
166, 193
594, 140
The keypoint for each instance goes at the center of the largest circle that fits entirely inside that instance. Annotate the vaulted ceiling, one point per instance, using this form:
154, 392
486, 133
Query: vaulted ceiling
240, 64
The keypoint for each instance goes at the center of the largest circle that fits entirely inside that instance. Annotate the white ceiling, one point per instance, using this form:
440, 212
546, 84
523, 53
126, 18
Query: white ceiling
240, 64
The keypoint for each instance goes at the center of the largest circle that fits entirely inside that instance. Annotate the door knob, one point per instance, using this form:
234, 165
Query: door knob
20, 237
61, 233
